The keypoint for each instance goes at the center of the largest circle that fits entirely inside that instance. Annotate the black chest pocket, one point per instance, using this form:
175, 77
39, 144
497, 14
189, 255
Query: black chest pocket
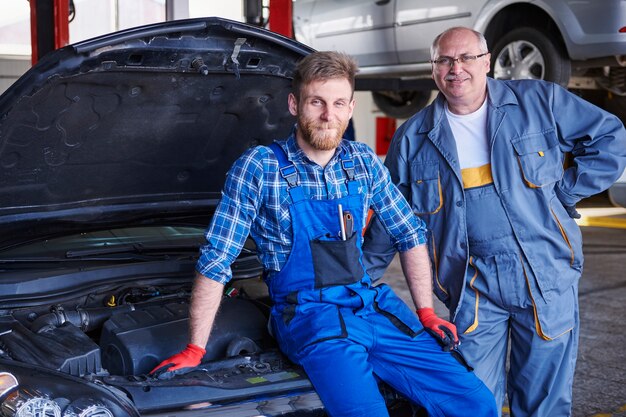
540, 158
426, 195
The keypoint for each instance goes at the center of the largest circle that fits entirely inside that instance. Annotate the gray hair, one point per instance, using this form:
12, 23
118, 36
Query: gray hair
482, 42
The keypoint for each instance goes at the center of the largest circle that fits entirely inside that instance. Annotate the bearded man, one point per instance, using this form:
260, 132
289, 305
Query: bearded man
326, 316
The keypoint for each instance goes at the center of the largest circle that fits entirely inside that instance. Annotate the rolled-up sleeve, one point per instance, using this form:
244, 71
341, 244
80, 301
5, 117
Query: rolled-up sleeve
230, 224
393, 211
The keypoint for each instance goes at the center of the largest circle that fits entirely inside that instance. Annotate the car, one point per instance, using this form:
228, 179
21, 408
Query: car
617, 192
580, 45
113, 153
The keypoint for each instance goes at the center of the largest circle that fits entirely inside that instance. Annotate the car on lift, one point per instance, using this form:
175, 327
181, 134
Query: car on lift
113, 153
578, 44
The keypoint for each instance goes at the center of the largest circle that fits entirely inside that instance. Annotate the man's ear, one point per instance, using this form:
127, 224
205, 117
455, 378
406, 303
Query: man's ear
488, 62
293, 104
351, 106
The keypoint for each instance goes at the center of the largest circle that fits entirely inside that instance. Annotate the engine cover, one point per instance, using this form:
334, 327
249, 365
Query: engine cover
134, 342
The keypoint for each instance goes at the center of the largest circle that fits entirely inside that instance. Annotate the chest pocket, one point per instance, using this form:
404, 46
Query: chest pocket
540, 158
426, 196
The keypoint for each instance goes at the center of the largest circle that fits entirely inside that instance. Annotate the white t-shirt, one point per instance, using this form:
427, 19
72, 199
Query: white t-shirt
470, 134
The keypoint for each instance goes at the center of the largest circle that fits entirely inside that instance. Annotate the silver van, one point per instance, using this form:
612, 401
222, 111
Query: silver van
578, 44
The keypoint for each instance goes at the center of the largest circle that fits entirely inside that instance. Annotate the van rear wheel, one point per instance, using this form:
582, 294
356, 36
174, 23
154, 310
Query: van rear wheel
529, 53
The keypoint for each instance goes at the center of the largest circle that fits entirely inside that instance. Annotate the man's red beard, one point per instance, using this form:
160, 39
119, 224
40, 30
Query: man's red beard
322, 141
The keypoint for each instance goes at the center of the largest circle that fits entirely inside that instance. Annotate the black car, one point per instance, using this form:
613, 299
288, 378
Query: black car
113, 152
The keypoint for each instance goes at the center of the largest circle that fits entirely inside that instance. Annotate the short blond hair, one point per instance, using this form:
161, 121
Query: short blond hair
324, 65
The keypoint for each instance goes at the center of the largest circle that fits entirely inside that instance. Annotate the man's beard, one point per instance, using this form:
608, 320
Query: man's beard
322, 141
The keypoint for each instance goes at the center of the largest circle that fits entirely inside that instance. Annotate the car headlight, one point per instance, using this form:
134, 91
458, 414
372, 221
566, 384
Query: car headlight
17, 401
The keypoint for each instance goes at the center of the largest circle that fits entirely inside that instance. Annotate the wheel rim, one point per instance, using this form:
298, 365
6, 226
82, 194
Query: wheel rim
519, 60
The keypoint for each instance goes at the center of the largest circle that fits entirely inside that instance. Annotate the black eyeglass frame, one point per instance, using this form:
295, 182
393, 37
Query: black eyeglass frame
463, 59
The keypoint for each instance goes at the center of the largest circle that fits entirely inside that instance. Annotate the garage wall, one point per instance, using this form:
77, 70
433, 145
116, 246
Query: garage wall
11, 68
364, 118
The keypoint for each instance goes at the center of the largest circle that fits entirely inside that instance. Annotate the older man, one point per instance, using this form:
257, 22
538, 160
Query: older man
483, 166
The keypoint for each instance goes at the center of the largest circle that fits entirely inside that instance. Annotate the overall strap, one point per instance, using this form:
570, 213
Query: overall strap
288, 171
347, 163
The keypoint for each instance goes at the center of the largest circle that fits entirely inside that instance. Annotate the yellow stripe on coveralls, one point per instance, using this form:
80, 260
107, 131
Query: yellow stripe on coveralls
476, 177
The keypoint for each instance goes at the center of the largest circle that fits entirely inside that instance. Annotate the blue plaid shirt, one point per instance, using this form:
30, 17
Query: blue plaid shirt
255, 202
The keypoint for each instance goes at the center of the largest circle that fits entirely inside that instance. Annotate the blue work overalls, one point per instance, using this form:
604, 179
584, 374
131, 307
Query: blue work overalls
500, 301
348, 335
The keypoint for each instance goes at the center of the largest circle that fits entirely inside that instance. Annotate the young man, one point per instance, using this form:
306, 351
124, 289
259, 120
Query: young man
326, 315
483, 166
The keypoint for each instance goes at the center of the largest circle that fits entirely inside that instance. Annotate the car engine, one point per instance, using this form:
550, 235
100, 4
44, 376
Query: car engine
127, 339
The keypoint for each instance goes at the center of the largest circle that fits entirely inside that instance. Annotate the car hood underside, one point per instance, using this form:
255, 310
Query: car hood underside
138, 125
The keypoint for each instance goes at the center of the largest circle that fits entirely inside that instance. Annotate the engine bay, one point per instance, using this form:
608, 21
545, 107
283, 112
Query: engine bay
129, 338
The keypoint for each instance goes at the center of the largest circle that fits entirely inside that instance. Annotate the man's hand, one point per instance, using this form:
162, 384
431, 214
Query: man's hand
572, 212
180, 363
443, 331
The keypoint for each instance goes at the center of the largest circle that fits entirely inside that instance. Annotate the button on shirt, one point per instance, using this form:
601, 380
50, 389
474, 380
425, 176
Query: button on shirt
255, 201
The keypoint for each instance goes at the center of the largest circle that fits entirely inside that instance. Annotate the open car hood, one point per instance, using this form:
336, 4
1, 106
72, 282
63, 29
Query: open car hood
138, 126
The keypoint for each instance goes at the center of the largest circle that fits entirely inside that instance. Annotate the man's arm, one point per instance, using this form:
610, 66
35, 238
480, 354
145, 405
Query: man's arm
597, 142
418, 273
205, 301
226, 235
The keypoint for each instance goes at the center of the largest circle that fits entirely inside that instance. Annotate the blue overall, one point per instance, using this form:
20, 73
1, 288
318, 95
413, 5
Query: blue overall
500, 301
347, 334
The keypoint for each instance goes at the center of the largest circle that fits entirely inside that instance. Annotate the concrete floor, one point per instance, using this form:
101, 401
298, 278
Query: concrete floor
600, 380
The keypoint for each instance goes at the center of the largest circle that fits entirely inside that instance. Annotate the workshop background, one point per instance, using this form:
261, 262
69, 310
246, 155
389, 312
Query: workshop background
600, 382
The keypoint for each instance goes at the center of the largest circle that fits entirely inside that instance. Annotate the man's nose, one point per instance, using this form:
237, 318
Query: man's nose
456, 66
327, 113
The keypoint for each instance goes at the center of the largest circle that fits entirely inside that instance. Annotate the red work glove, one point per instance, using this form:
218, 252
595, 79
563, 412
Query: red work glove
443, 331
180, 363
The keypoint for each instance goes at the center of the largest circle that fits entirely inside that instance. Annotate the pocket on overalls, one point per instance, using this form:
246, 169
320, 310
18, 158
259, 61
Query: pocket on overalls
336, 262
426, 193
540, 158
557, 317
391, 306
311, 323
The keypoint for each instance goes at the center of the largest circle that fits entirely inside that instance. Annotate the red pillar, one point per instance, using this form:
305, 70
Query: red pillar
280, 17
385, 128
49, 26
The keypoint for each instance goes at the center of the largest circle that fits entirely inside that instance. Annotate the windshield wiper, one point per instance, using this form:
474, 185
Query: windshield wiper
135, 248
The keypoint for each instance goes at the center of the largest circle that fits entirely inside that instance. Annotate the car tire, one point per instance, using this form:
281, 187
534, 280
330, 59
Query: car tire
529, 53
400, 104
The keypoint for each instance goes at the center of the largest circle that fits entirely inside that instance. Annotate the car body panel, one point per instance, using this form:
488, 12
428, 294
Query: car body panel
365, 25
417, 24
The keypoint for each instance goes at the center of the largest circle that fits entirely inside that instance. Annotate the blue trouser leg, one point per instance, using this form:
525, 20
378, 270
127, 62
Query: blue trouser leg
545, 390
344, 379
344, 371
486, 346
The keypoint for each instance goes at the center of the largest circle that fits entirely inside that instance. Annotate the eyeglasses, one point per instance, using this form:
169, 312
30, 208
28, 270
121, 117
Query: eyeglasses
448, 61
